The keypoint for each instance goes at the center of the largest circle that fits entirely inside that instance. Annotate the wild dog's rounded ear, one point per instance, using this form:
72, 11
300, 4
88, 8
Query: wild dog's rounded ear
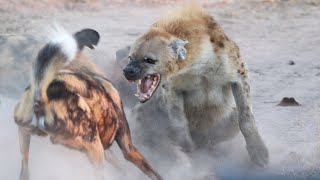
87, 37
57, 89
178, 48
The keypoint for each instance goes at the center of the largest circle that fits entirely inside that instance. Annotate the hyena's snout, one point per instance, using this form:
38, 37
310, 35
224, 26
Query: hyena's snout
132, 72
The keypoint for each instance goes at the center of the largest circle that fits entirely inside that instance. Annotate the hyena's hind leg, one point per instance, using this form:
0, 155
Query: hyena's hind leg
131, 153
257, 150
24, 140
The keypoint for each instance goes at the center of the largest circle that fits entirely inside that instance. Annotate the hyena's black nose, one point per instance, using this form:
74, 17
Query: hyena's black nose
130, 73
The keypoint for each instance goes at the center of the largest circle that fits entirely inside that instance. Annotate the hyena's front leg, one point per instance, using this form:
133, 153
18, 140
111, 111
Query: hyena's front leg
255, 145
24, 140
178, 120
173, 93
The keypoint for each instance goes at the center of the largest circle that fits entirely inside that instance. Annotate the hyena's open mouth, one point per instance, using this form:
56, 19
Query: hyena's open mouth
147, 86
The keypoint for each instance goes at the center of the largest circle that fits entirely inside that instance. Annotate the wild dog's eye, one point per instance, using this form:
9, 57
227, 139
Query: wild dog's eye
150, 61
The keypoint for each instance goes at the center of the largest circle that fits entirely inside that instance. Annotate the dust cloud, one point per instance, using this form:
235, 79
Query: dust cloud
269, 33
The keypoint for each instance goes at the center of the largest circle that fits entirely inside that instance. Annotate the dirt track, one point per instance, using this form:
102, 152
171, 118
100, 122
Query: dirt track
269, 33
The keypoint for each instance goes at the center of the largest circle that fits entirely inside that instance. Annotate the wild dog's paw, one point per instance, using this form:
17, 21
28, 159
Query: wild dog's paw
24, 172
258, 152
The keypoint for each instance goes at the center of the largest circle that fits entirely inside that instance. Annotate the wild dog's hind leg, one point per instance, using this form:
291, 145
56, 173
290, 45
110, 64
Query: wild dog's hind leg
112, 159
131, 153
95, 152
255, 145
24, 140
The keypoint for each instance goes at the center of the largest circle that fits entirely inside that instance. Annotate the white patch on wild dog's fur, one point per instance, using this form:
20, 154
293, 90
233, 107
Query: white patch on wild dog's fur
41, 124
58, 35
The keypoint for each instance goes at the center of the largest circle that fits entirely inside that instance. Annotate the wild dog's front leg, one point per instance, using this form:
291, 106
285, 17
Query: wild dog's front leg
24, 140
177, 117
23, 111
255, 145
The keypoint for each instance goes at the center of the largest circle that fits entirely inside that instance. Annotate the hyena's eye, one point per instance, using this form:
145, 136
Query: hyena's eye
150, 61
130, 58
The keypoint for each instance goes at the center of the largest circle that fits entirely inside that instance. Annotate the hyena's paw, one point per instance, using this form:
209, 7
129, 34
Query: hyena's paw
185, 142
258, 152
187, 145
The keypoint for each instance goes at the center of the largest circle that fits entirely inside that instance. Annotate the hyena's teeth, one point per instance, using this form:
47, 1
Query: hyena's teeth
153, 86
137, 95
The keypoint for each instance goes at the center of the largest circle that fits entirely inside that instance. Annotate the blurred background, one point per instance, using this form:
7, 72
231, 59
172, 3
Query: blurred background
279, 39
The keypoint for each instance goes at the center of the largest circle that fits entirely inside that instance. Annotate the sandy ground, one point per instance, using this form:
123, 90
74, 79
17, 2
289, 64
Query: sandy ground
270, 34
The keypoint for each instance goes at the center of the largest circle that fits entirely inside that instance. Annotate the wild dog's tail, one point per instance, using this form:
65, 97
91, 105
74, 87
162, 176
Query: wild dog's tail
71, 44
62, 47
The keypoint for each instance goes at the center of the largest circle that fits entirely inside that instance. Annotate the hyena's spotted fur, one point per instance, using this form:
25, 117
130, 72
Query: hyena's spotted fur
204, 80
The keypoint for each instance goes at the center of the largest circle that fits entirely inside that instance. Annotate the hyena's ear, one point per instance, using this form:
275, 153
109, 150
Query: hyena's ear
87, 37
178, 47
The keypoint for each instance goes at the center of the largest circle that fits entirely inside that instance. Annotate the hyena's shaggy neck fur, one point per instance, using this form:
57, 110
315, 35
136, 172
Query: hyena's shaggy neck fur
193, 24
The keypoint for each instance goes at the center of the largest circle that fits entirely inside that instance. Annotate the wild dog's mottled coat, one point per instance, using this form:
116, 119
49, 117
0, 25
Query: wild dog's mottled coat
71, 101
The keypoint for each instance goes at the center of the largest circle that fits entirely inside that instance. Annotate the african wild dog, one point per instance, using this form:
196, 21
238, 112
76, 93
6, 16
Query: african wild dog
70, 100
202, 79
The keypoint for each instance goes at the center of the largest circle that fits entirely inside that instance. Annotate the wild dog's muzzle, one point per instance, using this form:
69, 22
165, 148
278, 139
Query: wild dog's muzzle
38, 109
